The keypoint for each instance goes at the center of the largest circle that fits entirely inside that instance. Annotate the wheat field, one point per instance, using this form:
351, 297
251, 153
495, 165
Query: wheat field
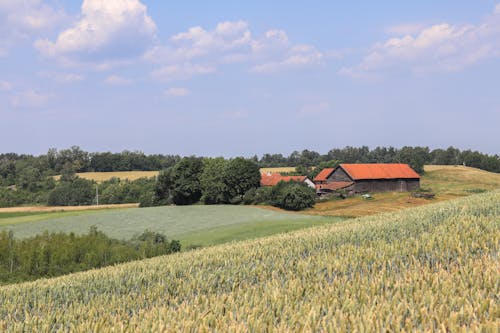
432, 268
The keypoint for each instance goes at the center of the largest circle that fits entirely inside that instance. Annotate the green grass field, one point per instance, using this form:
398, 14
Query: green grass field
193, 225
430, 268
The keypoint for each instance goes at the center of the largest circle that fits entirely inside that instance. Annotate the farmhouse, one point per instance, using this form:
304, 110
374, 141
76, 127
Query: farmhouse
271, 179
359, 178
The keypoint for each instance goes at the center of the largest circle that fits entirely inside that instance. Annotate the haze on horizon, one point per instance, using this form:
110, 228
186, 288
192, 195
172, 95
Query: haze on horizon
229, 78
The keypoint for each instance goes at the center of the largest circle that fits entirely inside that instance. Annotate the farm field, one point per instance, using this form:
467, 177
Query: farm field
446, 181
193, 225
422, 269
103, 176
134, 175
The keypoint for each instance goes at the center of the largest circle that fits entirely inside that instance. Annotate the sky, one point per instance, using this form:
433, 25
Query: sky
234, 78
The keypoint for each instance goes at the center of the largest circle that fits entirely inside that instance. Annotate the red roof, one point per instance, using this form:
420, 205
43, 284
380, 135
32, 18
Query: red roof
379, 171
323, 175
271, 179
333, 186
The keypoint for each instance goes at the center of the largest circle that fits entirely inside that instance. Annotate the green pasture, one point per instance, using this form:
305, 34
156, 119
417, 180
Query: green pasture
193, 225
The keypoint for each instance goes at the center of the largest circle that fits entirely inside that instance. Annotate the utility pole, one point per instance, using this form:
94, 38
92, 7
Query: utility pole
97, 194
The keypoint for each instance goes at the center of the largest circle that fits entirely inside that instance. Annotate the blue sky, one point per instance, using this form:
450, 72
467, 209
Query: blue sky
230, 78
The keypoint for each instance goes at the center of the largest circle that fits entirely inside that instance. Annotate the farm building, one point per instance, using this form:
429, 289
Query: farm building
271, 179
359, 178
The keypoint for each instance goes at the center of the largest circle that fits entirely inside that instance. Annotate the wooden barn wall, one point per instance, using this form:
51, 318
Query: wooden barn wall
339, 175
386, 185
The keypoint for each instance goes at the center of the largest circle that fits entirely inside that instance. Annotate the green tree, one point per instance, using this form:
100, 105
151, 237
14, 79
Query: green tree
185, 177
75, 193
212, 180
292, 196
241, 175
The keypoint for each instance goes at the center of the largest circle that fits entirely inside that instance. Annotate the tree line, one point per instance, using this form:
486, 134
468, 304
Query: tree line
54, 254
27, 179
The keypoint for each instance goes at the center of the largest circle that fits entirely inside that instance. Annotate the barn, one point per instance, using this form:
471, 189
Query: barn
361, 178
271, 179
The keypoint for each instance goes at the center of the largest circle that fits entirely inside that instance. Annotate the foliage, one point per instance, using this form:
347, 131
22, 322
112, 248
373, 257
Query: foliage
54, 254
185, 186
426, 269
213, 181
77, 192
292, 195
240, 176
297, 196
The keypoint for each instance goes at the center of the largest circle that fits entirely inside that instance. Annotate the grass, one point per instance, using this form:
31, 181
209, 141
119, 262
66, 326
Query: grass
447, 182
29, 210
14, 218
432, 268
193, 225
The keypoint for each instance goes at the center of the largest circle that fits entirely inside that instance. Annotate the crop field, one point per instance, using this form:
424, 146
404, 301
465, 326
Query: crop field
103, 176
193, 225
446, 181
134, 175
277, 169
430, 268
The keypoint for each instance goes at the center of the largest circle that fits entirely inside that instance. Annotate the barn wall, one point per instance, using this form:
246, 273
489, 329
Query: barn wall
386, 185
339, 175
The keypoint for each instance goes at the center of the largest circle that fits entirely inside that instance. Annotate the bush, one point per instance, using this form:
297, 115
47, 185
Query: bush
296, 196
75, 193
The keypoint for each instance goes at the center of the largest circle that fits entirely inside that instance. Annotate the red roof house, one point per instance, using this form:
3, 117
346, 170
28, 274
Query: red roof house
373, 177
271, 179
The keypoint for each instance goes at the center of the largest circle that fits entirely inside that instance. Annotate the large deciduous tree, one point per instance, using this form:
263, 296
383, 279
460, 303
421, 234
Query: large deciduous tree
241, 175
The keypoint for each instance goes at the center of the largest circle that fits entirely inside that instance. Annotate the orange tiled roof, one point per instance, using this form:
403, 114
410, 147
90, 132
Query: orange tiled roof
323, 175
379, 171
333, 185
272, 179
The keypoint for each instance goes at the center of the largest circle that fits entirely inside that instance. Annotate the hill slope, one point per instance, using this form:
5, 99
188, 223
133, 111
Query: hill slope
193, 225
427, 268
446, 181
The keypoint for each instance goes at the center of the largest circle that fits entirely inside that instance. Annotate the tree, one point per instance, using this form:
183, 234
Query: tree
240, 176
75, 193
185, 188
212, 180
292, 195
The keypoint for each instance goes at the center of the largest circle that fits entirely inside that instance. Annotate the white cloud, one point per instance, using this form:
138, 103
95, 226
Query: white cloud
404, 29
107, 30
5, 86
20, 20
62, 77
30, 99
197, 42
230, 42
177, 92
181, 71
441, 47
299, 56
116, 80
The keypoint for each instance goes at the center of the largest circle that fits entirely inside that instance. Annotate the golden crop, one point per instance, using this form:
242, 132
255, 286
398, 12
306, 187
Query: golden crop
432, 268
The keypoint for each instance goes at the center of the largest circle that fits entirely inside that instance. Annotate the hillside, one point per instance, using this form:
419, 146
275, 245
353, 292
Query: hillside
193, 225
446, 181
426, 268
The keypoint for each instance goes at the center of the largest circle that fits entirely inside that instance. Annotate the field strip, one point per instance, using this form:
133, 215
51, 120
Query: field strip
35, 209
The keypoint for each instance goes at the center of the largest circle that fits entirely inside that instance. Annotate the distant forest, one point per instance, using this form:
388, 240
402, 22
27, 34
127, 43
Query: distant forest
26, 179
